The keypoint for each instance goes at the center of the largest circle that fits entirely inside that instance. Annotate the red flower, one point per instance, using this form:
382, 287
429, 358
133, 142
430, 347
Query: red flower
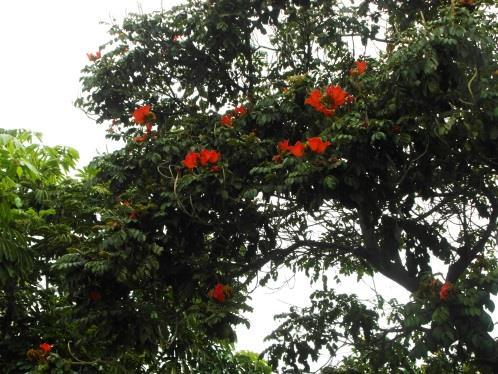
445, 291
215, 168
276, 158
45, 347
317, 145
219, 292
240, 110
176, 38
191, 160
315, 100
94, 57
140, 139
227, 120
337, 96
283, 146
209, 156
142, 115
297, 149
95, 295
359, 69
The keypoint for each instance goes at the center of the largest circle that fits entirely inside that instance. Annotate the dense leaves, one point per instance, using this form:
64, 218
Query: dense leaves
269, 142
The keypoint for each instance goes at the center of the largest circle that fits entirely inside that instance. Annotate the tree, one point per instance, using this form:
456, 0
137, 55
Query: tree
29, 308
256, 137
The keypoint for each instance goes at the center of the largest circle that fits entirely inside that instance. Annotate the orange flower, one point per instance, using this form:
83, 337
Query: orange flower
227, 120
315, 100
445, 291
94, 57
45, 347
209, 156
191, 159
337, 96
143, 116
334, 95
240, 110
317, 145
359, 69
283, 146
297, 149
218, 293
140, 139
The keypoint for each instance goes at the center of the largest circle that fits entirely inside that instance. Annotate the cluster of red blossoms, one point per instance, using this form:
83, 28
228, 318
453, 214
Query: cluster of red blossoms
202, 158
227, 119
328, 102
315, 144
359, 68
445, 291
143, 116
40, 354
94, 57
220, 292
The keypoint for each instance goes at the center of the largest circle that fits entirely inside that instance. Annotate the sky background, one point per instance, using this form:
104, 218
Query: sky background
44, 46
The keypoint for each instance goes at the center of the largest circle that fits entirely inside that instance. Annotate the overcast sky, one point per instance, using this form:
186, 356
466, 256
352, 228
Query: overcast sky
44, 46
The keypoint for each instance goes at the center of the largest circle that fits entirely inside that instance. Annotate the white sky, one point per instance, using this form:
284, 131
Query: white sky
44, 46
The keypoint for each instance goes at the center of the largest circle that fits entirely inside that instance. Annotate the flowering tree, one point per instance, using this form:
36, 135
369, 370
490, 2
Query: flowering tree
257, 137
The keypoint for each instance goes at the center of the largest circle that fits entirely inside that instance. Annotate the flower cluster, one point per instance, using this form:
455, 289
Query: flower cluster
359, 68
220, 292
94, 57
227, 119
40, 354
202, 158
143, 116
328, 102
315, 144
445, 291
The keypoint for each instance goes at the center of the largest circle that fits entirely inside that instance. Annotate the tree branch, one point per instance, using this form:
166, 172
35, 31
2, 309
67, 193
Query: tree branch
467, 255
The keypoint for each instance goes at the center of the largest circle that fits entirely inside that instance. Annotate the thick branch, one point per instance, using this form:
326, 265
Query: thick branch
467, 255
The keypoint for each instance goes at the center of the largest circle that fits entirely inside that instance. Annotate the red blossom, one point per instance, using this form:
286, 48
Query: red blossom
140, 139
337, 96
45, 347
317, 145
445, 290
209, 156
297, 149
219, 293
191, 160
176, 38
215, 168
240, 110
359, 69
276, 158
283, 146
94, 57
143, 116
226, 120
315, 100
